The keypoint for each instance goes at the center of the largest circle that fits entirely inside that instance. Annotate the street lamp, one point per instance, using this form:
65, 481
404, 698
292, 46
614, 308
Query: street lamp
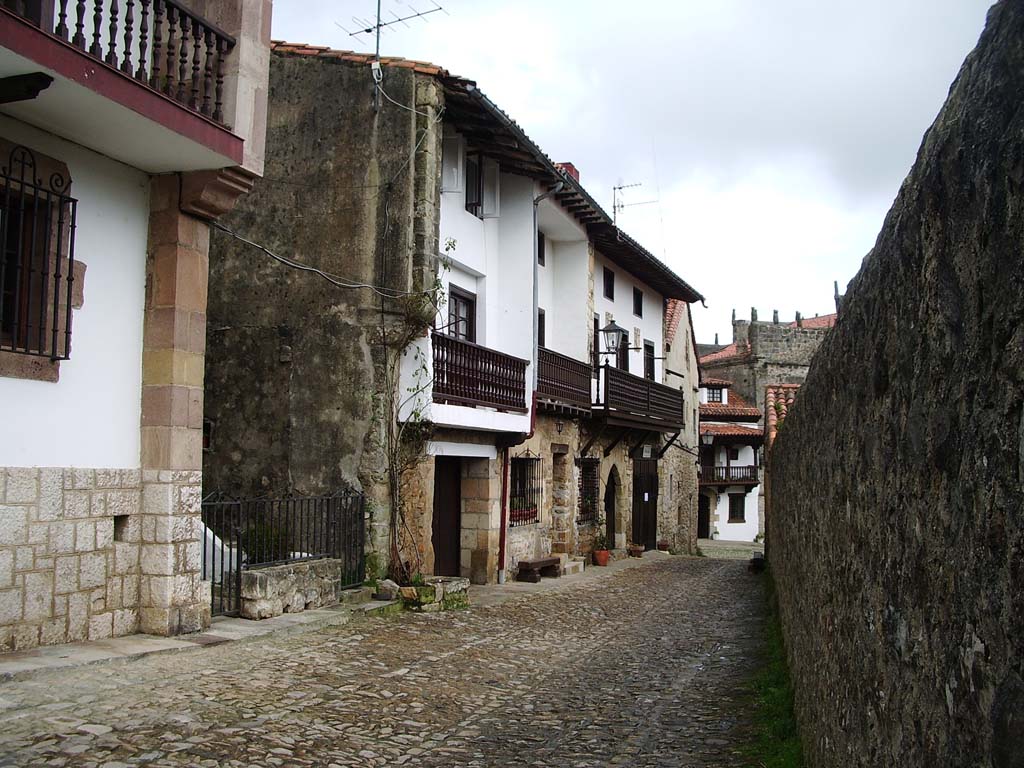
615, 336
707, 438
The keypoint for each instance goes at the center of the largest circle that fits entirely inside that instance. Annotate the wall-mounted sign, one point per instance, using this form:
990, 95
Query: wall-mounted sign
648, 452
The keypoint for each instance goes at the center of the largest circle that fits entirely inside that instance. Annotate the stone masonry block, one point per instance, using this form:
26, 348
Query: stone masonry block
107, 478
53, 632
126, 622
65, 575
13, 525
98, 504
157, 559
158, 499
126, 558
62, 538
22, 485
10, 606
105, 533
24, 559
78, 617
130, 591
26, 637
124, 502
77, 504
85, 537
157, 590
6, 568
101, 626
92, 571
39, 533
51, 494
38, 596
131, 478
190, 498
81, 479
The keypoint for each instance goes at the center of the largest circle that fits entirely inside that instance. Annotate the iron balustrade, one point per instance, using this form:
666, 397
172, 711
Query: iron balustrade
639, 399
736, 473
37, 235
246, 534
563, 379
159, 43
470, 374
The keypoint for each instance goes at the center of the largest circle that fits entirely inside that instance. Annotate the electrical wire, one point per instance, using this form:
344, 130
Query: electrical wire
340, 282
385, 94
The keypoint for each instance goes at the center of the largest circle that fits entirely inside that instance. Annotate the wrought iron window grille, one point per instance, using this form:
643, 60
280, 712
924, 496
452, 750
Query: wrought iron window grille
589, 490
37, 235
526, 489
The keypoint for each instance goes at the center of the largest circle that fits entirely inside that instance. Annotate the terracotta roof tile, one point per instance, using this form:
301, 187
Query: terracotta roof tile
303, 49
730, 430
709, 382
778, 399
733, 350
736, 408
822, 321
674, 309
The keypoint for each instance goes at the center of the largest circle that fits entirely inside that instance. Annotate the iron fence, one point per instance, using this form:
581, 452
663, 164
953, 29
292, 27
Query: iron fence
246, 534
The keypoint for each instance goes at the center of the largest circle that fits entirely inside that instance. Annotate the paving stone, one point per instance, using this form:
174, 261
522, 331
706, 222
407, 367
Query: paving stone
643, 668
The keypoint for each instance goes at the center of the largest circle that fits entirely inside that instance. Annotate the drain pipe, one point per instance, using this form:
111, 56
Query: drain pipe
504, 522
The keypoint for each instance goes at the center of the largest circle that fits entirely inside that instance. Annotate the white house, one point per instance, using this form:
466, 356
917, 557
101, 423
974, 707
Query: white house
111, 168
729, 460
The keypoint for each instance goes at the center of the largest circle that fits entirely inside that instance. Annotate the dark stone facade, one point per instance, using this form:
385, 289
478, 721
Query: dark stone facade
897, 529
293, 361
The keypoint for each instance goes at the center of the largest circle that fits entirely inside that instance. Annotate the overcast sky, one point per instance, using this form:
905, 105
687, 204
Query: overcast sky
773, 135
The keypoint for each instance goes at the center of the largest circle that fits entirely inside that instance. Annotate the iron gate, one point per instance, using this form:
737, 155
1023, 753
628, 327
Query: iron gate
245, 534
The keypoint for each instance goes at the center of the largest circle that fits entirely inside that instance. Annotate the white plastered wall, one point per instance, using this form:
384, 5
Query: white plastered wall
621, 309
91, 417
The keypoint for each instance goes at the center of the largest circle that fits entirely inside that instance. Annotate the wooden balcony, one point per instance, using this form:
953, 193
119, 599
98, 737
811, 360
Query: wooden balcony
473, 375
633, 401
563, 383
160, 44
731, 475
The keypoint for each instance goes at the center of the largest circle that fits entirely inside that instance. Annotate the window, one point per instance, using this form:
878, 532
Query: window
737, 507
649, 360
590, 491
734, 454
37, 266
525, 490
540, 327
541, 257
461, 314
714, 394
609, 284
475, 184
638, 302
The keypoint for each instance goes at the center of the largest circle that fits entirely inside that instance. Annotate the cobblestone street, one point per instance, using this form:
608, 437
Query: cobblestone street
642, 668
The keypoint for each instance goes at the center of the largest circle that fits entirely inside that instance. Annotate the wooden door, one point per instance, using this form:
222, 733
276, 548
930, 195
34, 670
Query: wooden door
703, 517
447, 525
611, 491
645, 502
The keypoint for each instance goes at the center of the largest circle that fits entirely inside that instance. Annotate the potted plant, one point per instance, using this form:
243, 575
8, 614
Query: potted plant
599, 545
635, 550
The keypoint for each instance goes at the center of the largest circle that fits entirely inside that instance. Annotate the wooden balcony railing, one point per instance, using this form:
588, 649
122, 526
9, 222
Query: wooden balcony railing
563, 379
732, 474
159, 43
470, 374
640, 399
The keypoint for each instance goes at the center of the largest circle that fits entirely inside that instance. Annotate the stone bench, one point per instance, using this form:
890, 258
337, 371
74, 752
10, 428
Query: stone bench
532, 570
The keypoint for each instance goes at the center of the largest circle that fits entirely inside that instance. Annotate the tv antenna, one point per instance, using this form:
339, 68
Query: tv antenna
619, 204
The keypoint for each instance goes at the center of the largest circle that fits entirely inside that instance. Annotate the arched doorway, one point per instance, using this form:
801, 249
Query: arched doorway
611, 493
703, 517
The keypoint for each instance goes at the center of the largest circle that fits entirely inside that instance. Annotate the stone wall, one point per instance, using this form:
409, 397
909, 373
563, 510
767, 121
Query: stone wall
896, 536
293, 362
70, 542
291, 588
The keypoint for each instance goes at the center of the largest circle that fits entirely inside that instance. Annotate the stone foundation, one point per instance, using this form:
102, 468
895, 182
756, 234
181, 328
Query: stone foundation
291, 588
70, 543
438, 593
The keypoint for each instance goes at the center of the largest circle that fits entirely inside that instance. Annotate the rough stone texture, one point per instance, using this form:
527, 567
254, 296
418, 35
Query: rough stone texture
896, 534
291, 588
292, 361
646, 668
62, 575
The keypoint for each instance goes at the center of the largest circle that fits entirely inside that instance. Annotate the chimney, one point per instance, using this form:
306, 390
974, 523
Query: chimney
775, 316
716, 339
569, 169
753, 314
799, 321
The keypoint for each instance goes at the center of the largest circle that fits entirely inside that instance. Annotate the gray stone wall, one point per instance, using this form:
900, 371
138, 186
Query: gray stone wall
896, 536
291, 588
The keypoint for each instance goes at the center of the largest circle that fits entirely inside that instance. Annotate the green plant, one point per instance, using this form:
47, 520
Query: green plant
417, 580
777, 743
600, 540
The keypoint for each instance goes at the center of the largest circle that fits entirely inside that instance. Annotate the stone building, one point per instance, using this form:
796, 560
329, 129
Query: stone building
112, 167
467, 331
762, 356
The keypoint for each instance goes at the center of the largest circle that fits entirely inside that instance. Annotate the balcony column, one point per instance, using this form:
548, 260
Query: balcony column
481, 519
172, 597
